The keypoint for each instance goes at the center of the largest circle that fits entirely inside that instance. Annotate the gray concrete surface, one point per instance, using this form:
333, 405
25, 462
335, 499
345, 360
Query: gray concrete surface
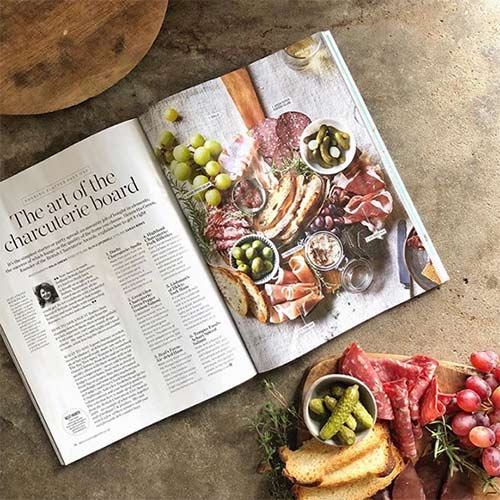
429, 72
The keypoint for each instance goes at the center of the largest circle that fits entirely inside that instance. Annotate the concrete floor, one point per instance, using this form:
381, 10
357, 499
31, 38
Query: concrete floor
429, 72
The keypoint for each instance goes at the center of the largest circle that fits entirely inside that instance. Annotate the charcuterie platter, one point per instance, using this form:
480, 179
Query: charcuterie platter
431, 432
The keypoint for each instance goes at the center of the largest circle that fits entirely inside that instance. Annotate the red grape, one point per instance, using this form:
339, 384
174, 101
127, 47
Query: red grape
479, 386
491, 461
462, 423
496, 372
496, 429
494, 416
325, 211
484, 361
452, 406
491, 380
482, 418
468, 400
495, 398
482, 437
328, 222
319, 221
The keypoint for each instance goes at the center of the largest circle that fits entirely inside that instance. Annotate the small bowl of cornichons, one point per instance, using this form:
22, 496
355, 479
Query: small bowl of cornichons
327, 146
339, 410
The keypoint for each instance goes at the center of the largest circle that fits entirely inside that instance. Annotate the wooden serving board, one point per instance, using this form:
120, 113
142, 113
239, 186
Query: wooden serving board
451, 378
58, 53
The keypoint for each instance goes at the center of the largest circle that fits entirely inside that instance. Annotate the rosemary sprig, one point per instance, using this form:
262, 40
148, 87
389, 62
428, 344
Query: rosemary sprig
295, 164
445, 443
273, 425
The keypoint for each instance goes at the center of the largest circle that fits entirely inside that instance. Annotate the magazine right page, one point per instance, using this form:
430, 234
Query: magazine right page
302, 217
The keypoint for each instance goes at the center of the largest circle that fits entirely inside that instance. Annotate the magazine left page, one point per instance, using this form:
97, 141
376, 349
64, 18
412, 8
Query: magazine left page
106, 304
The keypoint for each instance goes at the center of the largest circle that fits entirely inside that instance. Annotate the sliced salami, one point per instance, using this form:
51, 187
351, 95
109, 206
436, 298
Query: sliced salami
356, 363
282, 155
429, 367
431, 406
391, 369
265, 135
289, 127
397, 390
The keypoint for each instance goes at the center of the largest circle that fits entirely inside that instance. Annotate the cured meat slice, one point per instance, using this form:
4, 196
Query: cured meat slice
429, 367
284, 293
356, 363
362, 177
408, 485
286, 277
397, 391
432, 471
237, 155
265, 135
370, 209
282, 154
390, 369
301, 270
300, 307
289, 127
432, 406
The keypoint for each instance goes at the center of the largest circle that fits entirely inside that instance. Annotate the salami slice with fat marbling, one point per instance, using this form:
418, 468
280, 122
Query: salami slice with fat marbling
265, 135
418, 388
397, 390
289, 127
390, 369
356, 363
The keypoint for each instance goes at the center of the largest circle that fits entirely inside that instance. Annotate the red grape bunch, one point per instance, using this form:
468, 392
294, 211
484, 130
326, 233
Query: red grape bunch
477, 421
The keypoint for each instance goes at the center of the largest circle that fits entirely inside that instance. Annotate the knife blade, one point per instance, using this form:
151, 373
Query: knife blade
404, 275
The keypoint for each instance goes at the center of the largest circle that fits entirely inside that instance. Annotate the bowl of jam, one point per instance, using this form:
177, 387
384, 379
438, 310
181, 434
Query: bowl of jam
249, 196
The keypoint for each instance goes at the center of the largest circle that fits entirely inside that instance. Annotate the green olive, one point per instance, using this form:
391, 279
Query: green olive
257, 265
267, 253
238, 253
257, 244
244, 268
268, 266
245, 246
240, 263
250, 253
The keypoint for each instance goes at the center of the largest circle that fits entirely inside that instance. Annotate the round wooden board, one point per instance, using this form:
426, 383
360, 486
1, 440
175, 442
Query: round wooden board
451, 378
58, 53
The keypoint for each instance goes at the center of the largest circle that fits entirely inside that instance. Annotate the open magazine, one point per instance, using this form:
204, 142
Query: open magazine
157, 264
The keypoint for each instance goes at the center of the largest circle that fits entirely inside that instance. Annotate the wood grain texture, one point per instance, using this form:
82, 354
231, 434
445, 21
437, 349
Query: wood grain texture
240, 87
451, 378
58, 53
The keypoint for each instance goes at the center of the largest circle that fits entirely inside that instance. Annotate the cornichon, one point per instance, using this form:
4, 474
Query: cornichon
317, 406
330, 404
340, 413
346, 435
359, 412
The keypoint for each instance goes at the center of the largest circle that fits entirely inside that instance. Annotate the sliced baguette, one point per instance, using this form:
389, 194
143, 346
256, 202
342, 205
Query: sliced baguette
313, 460
256, 302
278, 201
232, 289
378, 461
357, 490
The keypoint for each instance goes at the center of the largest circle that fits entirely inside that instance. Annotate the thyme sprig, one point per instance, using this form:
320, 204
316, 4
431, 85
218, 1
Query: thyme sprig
273, 425
295, 164
445, 443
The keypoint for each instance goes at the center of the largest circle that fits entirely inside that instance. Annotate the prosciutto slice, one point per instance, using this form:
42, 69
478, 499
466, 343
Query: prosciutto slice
301, 270
370, 209
397, 391
299, 307
362, 177
357, 364
285, 293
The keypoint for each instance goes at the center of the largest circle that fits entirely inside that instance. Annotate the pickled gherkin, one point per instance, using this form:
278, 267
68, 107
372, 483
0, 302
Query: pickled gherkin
330, 402
337, 390
346, 435
360, 413
317, 406
341, 412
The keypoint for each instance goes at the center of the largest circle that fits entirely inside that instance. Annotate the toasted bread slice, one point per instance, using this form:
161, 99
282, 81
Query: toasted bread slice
279, 200
232, 289
377, 462
312, 195
356, 490
256, 302
287, 216
313, 460
429, 271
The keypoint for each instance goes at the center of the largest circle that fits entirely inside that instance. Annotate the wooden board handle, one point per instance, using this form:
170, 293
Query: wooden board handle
240, 87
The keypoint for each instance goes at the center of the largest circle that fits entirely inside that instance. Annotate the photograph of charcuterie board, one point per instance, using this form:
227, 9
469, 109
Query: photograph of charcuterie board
386, 426
292, 199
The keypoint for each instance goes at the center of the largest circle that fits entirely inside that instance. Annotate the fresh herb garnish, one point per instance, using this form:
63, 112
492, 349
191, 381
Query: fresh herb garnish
295, 164
273, 425
445, 443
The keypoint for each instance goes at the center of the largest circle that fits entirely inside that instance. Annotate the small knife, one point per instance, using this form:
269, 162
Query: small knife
404, 275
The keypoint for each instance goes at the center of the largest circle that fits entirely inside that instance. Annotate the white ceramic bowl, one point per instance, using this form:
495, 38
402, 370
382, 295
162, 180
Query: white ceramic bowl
267, 242
322, 387
314, 127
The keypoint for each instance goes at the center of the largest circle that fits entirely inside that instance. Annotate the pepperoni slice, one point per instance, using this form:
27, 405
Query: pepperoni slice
357, 364
265, 135
289, 127
397, 390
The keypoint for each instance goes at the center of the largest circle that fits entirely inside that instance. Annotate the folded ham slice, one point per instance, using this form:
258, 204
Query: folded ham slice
362, 177
370, 209
300, 307
284, 293
301, 270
